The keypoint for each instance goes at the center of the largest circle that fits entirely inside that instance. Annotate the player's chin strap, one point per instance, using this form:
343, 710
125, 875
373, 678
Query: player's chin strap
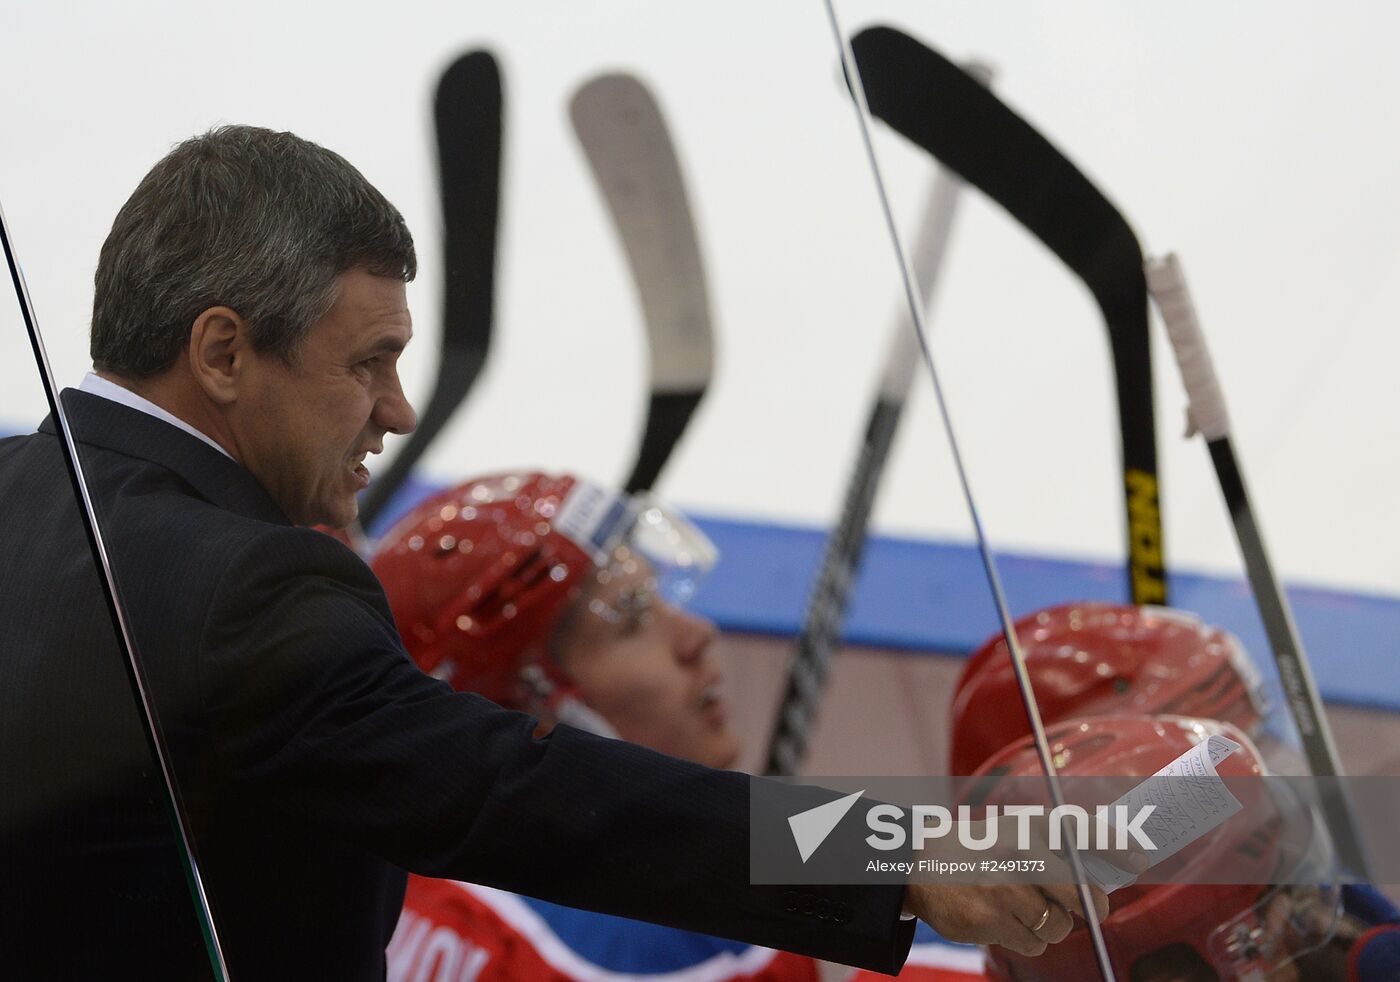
136, 677
1013, 642
576, 713
561, 704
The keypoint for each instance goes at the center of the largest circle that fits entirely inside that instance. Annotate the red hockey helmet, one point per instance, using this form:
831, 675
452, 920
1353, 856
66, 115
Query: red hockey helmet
1186, 927
1098, 658
479, 576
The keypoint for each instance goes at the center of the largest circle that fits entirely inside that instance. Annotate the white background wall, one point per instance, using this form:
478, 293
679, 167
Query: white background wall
1254, 138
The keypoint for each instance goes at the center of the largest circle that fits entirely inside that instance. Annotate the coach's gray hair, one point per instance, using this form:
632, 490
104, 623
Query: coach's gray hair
247, 218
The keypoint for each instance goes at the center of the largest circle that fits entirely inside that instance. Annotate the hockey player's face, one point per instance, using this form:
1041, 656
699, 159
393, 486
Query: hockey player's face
307, 426
645, 666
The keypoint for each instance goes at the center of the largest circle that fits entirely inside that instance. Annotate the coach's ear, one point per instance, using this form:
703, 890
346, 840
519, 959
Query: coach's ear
219, 348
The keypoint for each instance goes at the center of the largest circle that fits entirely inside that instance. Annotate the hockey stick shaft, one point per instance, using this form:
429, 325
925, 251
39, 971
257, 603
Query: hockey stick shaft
467, 111
1208, 416
826, 606
637, 170
122, 630
668, 416
931, 102
989, 565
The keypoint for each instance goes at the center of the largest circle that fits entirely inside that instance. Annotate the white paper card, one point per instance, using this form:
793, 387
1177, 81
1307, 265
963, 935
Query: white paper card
1185, 810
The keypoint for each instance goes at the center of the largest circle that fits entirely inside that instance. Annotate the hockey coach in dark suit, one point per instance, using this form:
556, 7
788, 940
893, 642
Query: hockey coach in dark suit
248, 316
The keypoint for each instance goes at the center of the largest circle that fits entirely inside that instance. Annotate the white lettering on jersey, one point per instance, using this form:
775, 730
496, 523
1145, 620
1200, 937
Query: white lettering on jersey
420, 952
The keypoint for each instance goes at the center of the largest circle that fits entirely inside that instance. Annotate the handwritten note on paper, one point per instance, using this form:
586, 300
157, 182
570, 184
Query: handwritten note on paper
1185, 809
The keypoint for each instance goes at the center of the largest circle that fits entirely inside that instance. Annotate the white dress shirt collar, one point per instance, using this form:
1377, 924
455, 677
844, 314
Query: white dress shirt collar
96, 385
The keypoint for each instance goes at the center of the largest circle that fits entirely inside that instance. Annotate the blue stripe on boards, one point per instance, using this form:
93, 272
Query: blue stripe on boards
932, 596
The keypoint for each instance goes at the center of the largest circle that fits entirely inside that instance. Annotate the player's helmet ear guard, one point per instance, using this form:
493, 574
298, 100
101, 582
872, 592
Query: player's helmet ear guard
1089, 659
480, 576
1229, 931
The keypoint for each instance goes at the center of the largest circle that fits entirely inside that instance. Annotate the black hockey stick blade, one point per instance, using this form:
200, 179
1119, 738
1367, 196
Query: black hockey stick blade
826, 605
936, 105
467, 113
1207, 415
635, 165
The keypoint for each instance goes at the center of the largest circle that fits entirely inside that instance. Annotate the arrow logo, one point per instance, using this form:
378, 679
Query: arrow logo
810, 828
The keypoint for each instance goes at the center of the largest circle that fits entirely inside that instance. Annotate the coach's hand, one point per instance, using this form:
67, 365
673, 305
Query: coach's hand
1024, 917
1019, 916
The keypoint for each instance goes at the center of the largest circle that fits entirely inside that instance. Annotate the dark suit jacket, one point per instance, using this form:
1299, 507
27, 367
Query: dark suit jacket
316, 762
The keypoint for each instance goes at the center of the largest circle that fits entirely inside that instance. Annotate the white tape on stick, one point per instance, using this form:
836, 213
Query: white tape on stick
1206, 413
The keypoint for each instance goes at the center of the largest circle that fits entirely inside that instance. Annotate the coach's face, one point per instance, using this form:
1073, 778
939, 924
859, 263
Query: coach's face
306, 428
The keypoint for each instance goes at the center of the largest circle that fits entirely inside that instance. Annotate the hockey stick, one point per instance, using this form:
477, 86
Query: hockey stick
634, 163
176, 812
1206, 415
826, 606
930, 101
851, 67
467, 112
